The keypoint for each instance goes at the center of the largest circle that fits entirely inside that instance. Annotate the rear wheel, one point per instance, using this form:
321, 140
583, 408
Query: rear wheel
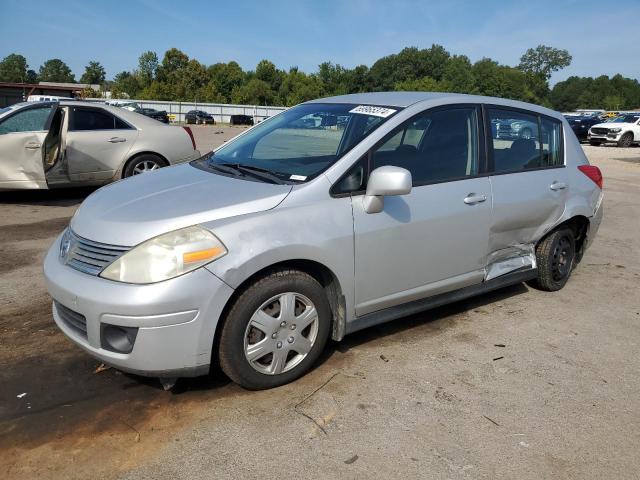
626, 140
555, 256
143, 164
275, 330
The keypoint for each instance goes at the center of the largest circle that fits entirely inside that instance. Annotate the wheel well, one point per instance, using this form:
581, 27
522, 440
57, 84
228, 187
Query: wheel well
579, 225
318, 271
133, 157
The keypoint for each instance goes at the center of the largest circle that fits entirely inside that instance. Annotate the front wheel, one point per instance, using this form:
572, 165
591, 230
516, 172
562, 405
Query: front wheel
555, 256
626, 140
275, 330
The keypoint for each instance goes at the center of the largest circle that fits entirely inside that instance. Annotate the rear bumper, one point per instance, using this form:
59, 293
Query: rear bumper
174, 320
594, 223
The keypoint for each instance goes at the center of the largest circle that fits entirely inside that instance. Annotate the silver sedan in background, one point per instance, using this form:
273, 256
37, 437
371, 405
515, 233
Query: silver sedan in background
69, 143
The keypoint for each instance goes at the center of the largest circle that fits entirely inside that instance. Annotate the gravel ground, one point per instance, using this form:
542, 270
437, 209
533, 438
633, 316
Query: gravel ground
514, 384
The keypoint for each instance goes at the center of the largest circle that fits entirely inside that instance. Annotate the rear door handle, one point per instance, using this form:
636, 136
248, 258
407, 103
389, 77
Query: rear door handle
117, 140
555, 186
32, 145
472, 199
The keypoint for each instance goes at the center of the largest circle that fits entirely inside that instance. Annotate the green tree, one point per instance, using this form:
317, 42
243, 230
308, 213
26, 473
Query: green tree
424, 84
173, 62
298, 87
457, 75
126, 84
267, 72
147, 67
55, 70
13, 68
254, 92
94, 74
542, 61
226, 77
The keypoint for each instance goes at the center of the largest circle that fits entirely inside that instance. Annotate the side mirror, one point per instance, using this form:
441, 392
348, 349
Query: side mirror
385, 181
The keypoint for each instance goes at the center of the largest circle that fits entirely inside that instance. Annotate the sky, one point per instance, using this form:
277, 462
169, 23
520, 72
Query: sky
603, 37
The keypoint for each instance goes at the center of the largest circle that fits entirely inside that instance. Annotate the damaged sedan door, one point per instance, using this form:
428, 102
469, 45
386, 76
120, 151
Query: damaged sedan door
31, 144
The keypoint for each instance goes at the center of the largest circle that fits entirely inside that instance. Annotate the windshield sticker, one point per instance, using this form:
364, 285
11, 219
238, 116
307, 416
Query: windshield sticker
375, 111
300, 178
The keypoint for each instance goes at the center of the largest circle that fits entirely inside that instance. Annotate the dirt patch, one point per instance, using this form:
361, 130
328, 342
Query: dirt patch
33, 231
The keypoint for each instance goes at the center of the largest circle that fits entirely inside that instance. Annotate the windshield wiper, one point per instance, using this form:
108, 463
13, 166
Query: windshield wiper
225, 168
260, 172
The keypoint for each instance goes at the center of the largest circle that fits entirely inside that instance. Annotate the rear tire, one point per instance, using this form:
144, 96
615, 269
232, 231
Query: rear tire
265, 344
626, 140
594, 143
555, 256
144, 163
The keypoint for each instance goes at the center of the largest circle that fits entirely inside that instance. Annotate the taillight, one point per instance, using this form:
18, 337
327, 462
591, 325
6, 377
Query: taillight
193, 140
593, 173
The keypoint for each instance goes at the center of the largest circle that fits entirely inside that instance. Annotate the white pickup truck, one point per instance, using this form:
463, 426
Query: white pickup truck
623, 130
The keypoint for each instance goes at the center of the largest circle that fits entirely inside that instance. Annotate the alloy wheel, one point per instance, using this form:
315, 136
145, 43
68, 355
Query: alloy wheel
145, 166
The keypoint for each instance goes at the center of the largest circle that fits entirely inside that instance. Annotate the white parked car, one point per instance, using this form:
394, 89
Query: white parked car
623, 130
71, 143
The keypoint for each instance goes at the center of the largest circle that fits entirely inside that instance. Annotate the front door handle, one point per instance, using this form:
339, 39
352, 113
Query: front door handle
472, 199
117, 140
555, 186
32, 145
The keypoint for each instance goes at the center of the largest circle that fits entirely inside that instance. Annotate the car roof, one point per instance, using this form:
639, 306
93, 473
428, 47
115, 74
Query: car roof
406, 99
137, 119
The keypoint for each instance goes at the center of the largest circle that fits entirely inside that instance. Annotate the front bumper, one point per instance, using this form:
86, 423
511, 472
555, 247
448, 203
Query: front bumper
600, 137
175, 319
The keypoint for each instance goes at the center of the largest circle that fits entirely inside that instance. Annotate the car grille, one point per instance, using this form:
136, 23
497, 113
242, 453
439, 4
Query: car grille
600, 131
90, 257
74, 320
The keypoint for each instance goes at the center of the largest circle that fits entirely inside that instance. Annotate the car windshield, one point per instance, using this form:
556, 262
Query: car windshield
626, 119
303, 141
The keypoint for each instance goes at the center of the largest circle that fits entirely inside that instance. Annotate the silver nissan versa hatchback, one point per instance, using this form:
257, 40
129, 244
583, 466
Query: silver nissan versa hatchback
333, 216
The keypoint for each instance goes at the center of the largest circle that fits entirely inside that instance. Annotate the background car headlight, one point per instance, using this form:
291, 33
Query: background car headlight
166, 256
615, 130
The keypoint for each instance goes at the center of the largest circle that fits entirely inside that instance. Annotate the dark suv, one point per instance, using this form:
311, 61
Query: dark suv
240, 120
581, 125
198, 116
160, 115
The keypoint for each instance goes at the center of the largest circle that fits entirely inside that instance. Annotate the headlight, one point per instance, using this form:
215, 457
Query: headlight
615, 130
166, 256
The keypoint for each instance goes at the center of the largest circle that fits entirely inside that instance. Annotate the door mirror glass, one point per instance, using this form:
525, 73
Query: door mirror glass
385, 181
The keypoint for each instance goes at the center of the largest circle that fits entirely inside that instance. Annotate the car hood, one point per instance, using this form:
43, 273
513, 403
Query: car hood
131, 211
612, 125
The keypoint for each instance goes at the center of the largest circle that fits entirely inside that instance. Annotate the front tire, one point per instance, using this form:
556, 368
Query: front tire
626, 140
555, 256
275, 330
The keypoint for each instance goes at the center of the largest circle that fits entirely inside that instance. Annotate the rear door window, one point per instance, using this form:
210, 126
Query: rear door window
28, 120
515, 141
85, 119
523, 141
